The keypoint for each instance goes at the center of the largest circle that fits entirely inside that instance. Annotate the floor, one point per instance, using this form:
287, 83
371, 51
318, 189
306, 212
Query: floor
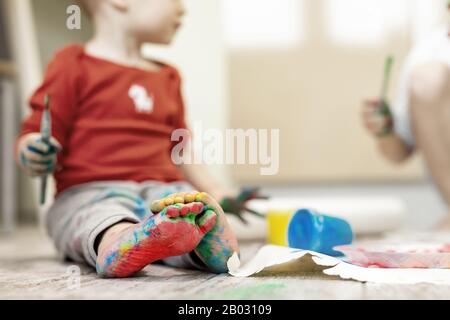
30, 269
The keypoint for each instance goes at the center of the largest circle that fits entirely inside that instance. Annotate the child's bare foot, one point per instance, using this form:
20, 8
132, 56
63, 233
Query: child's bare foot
178, 229
219, 244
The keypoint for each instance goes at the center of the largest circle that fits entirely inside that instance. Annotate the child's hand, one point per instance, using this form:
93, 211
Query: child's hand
377, 117
238, 205
36, 157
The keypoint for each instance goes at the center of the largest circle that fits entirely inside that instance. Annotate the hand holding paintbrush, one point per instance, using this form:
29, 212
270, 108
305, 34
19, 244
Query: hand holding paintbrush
37, 152
377, 114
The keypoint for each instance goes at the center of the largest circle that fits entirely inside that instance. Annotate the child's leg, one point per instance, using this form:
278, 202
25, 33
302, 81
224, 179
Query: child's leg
75, 221
220, 243
127, 248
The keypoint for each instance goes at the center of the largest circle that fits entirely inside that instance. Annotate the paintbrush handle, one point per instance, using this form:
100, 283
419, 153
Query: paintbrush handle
43, 189
46, 125
386, 77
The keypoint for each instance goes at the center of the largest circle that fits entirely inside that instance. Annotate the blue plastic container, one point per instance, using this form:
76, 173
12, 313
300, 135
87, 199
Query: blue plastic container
310, 230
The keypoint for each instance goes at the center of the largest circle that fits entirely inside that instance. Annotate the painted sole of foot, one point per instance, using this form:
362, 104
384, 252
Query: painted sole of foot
176, 230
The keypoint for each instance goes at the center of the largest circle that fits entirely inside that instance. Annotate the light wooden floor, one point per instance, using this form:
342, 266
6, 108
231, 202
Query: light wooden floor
30, 269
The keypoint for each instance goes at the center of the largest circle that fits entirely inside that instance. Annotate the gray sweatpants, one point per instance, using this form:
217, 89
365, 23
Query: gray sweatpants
80, 214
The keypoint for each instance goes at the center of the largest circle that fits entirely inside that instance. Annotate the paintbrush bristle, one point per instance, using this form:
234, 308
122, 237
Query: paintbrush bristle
387, 75
389, 63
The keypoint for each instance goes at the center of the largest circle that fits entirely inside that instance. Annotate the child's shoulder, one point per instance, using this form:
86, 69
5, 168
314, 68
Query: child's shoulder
73, 49
164, 65
65, 64
67, 55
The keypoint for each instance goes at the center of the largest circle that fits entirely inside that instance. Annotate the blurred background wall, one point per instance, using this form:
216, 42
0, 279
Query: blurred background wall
305, 66
301, 66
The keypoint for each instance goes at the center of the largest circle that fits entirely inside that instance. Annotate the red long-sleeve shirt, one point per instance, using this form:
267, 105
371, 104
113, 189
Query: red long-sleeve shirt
114, 122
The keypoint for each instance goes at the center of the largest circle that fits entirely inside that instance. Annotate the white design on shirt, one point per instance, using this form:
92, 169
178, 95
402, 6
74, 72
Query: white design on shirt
143, 102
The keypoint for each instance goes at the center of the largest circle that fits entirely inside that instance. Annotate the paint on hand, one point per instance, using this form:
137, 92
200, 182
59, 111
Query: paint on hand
237, 206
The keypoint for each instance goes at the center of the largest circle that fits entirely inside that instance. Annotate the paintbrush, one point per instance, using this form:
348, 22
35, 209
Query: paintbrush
385, 87
46, 124
384, 109
389, 62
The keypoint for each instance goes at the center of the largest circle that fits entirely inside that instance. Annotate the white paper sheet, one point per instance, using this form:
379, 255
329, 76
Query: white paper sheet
275, 260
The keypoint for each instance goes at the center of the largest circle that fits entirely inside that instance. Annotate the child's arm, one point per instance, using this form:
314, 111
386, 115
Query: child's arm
394, 148
198, 175
232, 201
33, 155
381, 125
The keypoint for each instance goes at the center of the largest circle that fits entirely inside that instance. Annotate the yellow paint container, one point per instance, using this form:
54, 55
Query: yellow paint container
277, 226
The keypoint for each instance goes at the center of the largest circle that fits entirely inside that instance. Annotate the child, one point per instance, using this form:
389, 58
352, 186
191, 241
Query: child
113, 113
420, 117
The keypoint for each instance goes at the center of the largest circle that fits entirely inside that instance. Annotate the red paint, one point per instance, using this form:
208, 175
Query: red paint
171, 235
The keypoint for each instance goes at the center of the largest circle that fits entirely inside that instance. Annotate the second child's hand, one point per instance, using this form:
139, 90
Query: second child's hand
377, 116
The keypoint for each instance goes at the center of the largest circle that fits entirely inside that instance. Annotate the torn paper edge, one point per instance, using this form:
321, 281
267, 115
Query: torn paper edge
270, 255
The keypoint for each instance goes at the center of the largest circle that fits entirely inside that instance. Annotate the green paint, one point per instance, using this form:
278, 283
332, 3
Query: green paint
190, 217
264, 290
387, 76
384, 109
